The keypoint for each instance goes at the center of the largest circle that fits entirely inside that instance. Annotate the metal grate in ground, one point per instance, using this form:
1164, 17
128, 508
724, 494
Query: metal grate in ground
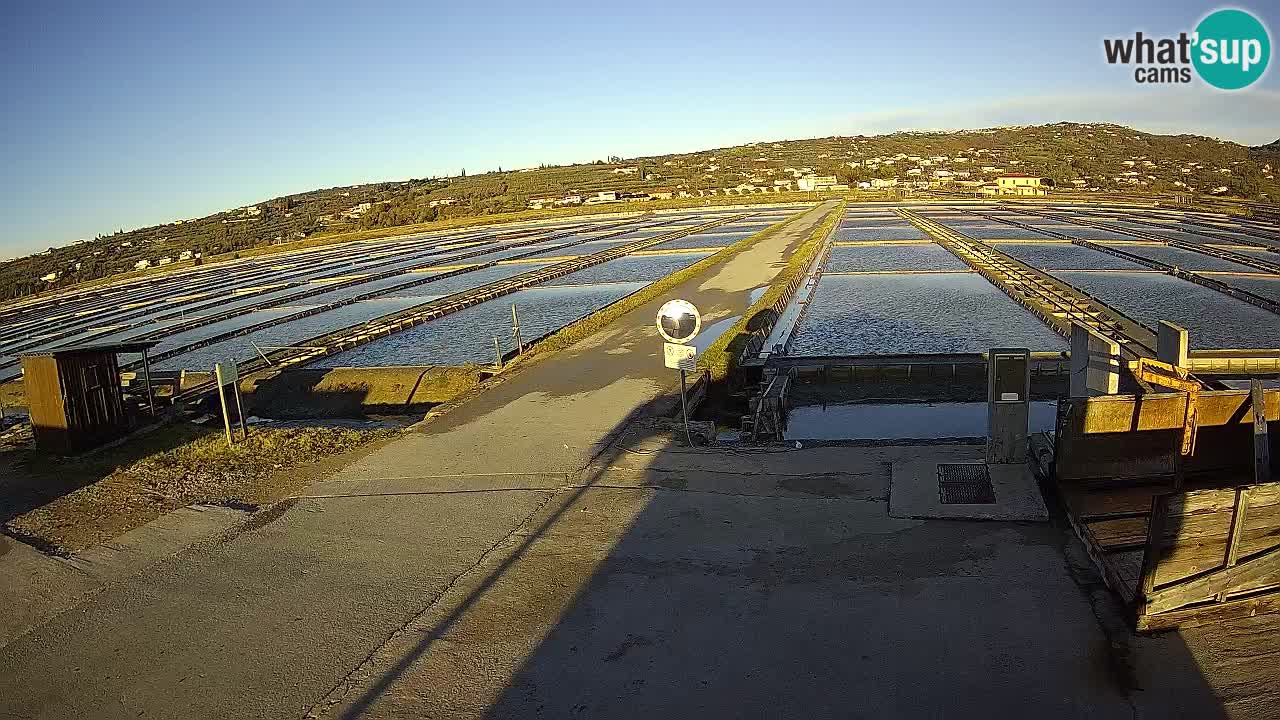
965, 484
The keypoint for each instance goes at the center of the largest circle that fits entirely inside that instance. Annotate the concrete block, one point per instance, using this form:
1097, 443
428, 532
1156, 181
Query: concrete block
1095, 363
913, 491
1172, 344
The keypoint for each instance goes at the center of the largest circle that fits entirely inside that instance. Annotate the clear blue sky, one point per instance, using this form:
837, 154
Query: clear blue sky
148, 112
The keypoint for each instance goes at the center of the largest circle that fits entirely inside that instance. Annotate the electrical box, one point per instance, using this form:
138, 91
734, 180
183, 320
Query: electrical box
1008, 404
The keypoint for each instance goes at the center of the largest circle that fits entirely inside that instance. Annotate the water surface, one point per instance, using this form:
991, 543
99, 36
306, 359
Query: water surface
902, 421
1213, 320
892, 257
916, 314
467, 336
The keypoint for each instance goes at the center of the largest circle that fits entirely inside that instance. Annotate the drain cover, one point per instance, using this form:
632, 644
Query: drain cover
965, 484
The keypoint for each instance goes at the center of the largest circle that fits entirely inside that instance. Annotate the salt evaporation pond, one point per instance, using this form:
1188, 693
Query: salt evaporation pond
1267, 287
1092, 233
871, 258
1212, 319
1064, 256
467, 336
915, 314
468, 280
641, 268
1185, 259
701, 240
888, 232
288, 333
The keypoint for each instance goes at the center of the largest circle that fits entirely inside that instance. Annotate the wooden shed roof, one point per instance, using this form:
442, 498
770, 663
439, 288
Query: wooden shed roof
136, 346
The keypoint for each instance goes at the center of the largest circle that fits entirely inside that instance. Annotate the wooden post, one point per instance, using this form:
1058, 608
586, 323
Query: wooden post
1179, 471
1261, 442
1237, 529
222, 399
497, 352
1151, 553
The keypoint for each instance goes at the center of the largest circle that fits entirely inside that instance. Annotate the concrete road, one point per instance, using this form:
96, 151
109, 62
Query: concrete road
706, 584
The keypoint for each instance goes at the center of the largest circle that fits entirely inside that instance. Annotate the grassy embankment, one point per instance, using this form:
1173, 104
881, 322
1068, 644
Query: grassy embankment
354, 392
65, 505
721, 357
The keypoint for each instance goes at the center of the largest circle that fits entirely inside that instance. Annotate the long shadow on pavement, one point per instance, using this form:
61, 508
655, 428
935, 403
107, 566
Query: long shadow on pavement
724, 583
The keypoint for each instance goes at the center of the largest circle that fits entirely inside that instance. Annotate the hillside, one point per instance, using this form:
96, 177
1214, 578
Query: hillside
1089, 157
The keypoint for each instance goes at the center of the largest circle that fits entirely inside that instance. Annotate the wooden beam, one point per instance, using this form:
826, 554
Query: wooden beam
1233, 537
1261, 442
1151, 555
1210, 614
1260, 571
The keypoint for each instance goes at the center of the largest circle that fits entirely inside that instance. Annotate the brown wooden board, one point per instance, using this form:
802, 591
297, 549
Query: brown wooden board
1118, 439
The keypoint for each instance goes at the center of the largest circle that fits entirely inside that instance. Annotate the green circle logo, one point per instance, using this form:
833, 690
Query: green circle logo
1232, 49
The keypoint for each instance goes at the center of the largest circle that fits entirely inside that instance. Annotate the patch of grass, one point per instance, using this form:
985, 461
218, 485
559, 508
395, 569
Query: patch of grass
122, 488
356, 392
13, 394
721, 357
589, 325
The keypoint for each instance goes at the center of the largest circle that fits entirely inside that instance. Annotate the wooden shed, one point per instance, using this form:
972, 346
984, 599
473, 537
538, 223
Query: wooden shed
75, 397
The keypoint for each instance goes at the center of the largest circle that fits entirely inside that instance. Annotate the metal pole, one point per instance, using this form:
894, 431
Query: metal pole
684, 406
515, 329
146, 376
244, 429
260, 353
222, 398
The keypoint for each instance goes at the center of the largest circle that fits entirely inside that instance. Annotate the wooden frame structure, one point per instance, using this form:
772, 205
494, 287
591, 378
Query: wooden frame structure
1176, 556
75, 397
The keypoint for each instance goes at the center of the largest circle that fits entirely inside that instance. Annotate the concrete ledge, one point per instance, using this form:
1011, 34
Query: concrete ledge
913, 490
351, 392
37, 587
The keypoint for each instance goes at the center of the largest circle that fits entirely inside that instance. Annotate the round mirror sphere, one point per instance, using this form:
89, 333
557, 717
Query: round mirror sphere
680, 326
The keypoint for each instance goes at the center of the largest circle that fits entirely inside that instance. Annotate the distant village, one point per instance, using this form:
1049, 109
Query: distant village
978, 171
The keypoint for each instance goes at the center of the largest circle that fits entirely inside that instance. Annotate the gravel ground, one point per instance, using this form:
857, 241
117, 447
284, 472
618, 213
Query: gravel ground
67, 505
